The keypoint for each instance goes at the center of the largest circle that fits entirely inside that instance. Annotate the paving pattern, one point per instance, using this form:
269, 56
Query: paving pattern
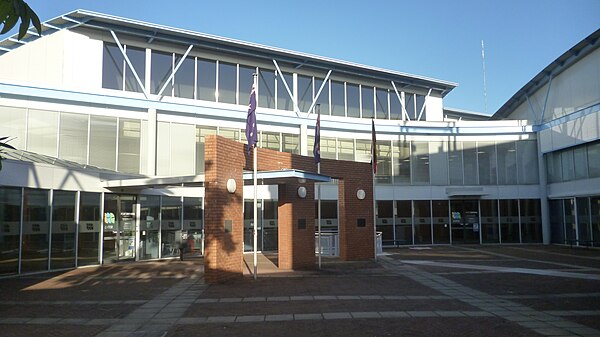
442, 291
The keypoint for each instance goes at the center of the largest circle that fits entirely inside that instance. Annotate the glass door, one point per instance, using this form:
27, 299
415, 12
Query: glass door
465, 221
249, 225
118, 227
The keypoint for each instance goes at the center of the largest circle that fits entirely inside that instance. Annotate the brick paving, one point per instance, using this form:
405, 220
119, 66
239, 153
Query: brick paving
555, 293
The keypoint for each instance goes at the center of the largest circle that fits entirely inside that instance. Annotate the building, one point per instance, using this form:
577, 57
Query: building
111, 117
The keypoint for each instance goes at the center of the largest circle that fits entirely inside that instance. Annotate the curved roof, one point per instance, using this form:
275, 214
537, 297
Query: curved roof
153, 32
570, 57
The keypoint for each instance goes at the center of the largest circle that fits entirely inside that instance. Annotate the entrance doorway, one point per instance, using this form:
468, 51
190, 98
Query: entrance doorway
118, 227
267, 225
465, 221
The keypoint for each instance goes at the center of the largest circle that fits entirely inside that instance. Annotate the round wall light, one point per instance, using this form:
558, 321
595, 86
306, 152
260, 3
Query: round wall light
360, 194
231, 185
302, 192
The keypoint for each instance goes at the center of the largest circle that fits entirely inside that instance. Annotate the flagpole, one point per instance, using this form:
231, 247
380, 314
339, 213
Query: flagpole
319, 191
373, 166
254, 161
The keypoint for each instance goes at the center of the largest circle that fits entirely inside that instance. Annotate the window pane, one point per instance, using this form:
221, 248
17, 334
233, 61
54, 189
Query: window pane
233, 134
381, 103
409, 100
470, 163
509, 220
580, 160
384, 162
184, 77
227, 82
181, 149
129, 145
201, 133
266, 88
553, 167
395, 107
170, 235
593, 156
441, 221
305, 92
420, 163
270, 140
507, 163
368, 110
327, 147
420, 104
402, 162
490, 232
63, 230
438, 158
41, 137
422, 222
10, 217
404, 222
113, 64
149, 226
568, 166
246, 81
531, 220
284, 101
12, 125
337, 99
385, 221
206, 80
486, 157
73, 137
103, 141
291, 143
137, 57
89, 229
455, 163
162, 66
323, 99
527, 161
34, 255
346, 149
363, 150
353, 100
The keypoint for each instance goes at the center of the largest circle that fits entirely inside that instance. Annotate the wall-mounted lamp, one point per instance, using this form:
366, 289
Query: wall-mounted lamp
231, 185
302, 192
360, 194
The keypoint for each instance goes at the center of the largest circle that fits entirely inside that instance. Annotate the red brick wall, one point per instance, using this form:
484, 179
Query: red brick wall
223, 258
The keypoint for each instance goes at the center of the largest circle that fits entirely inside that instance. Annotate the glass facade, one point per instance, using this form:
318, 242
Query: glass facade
574, 163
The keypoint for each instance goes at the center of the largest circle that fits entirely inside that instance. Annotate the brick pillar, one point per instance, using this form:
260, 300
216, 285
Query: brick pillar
296, 226
223, 216
357, 238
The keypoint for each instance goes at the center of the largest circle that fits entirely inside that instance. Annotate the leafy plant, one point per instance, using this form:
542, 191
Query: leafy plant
11, 11
3, 145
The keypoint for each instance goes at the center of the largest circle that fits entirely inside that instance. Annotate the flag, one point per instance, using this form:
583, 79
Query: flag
373, 147
251, 135
317, 145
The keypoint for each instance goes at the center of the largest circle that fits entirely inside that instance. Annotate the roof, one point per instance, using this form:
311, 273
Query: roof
570, 57
153, 32
465, 114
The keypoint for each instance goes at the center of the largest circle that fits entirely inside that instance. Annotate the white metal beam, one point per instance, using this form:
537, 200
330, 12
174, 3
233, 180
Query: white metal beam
137, 78
296, 109
404, 113
546, 99
318, 93
424, 105
175, 70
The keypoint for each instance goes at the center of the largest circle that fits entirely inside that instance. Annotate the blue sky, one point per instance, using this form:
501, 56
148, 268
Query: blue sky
435, 38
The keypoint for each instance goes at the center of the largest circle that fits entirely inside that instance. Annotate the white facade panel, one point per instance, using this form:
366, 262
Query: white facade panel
435, 109
546, 140
82, 62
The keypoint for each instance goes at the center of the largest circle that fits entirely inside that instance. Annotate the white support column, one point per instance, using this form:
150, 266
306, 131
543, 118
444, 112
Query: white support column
318, 93
287, 88
303, 139
401, 99
170, 79
543, 187
424, 105
128, 61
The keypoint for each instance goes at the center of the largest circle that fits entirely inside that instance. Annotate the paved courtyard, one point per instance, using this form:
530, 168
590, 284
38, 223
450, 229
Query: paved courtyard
420, 291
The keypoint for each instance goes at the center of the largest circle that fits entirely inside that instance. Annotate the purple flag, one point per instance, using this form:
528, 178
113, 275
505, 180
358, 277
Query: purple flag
251, 135
317, 145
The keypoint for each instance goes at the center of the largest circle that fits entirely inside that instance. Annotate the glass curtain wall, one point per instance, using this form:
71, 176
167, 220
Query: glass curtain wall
36, 231
10, 215
490, 230
441, 221
62, 253
584, 226
385, 221
509, 221
170, 230
88, 248
149, 226
422, 221
595, 219
531, 221
193, 225
404, 221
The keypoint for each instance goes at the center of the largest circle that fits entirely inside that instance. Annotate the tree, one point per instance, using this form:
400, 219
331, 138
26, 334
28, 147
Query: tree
11, 11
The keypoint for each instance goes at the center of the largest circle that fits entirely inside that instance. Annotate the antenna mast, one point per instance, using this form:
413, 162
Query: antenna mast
484, 83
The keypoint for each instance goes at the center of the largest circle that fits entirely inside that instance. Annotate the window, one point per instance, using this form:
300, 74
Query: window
63, 230
593, 159
227, 83
337, 99
395, 106
73, 137
438, 159
233, 134
421, 109
246, 80
201, 133
161, 69
184, 77
409, 100
42, 135
486, 157
291, 143
420, 163
305, 92
270, 140
422, 221
89, 229
384, 162
266, 88
381, 104
363, 150
507, 163
34, 253
455, 163
471, 175
206, 80
113, 64
568, 166
284, 101
402, 162
10, 217
367, 102
129, 145
323, 99
353, 100
327, 147
12, 125
346, 149
527, 161
137, 57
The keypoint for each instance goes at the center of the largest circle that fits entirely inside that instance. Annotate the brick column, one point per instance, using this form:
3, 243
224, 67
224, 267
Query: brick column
296, 226
223, 216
